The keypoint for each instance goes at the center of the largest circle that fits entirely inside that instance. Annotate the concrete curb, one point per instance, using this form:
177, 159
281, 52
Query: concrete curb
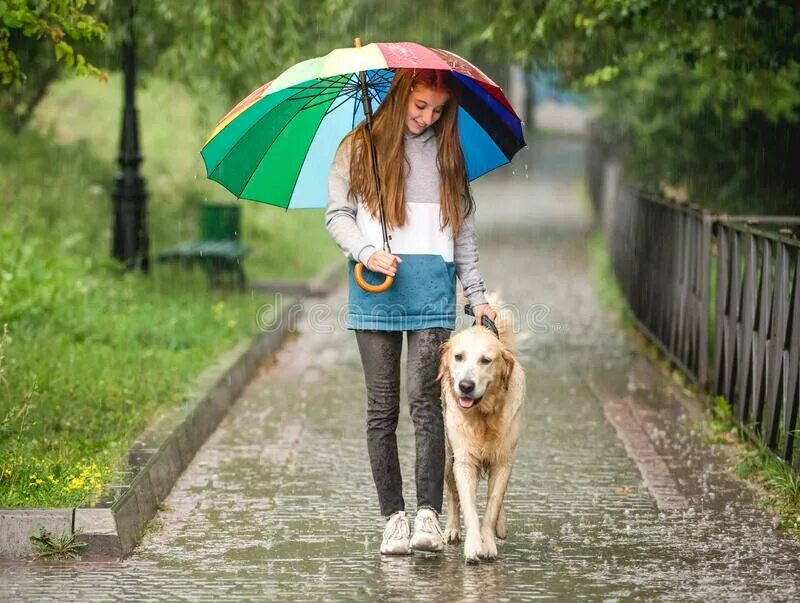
626, 412
161, 453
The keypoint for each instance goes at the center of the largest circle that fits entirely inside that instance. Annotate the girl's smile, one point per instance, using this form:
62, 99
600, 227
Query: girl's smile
425, 106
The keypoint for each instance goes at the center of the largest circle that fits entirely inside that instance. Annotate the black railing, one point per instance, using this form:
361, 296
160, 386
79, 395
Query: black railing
686, 273
757, 342
660, 258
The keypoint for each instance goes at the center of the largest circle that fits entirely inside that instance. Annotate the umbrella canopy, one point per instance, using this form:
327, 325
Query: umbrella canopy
277, 145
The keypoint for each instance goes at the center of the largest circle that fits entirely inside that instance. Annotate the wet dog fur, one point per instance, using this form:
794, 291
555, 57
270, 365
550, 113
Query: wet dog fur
483, 391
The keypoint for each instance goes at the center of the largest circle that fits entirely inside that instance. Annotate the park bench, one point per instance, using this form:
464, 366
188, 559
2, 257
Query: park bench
219, 252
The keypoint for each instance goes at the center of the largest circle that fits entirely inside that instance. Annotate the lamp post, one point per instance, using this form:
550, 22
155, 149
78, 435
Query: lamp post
130, 240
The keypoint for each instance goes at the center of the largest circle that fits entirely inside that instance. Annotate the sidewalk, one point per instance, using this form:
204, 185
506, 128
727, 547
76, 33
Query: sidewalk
279, 504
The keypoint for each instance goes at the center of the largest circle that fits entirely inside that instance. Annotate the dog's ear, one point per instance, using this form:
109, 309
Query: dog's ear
444, 359
507, 359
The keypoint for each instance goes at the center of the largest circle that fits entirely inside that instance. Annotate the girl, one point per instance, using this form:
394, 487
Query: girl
429, 213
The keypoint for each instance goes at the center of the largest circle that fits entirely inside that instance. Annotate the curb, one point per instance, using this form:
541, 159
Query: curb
163, 451
638, 420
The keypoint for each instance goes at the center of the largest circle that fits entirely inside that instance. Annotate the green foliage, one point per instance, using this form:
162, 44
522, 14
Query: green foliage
56, 548
721, 417
702, 94
232, 47
36, 40
744, 53
56, 24
435, 23
229, 47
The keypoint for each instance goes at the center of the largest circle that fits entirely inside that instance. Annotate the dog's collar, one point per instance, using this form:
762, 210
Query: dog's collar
485, 320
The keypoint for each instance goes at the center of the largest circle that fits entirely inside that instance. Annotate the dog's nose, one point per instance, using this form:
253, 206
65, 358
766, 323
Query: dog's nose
466, 386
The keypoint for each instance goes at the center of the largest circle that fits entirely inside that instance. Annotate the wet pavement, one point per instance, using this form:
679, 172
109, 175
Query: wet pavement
280, 505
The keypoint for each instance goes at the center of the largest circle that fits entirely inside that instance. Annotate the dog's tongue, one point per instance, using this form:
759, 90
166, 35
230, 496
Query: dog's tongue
465, 402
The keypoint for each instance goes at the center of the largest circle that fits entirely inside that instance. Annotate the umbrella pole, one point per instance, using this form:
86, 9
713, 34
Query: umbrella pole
373, 153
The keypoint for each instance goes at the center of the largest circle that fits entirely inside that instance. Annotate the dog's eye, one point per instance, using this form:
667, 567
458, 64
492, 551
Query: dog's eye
485, 360
459, 357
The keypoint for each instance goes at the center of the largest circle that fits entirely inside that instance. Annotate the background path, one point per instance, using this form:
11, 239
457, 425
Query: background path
279, 504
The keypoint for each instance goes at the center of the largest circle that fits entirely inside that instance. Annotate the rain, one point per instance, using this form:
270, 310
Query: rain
636, 210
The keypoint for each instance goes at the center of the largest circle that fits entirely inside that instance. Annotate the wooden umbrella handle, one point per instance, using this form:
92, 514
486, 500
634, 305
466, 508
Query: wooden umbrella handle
359, 276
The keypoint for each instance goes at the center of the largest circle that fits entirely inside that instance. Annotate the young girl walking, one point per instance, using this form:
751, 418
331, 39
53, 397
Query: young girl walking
429, 214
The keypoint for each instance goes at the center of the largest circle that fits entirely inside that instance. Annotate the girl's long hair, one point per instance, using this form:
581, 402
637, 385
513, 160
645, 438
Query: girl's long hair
389, 128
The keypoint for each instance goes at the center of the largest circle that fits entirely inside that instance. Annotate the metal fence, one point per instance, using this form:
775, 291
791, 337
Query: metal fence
660, 258
687, 273
757, 340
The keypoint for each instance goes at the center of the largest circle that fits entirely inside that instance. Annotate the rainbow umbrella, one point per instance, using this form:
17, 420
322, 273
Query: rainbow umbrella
277, 145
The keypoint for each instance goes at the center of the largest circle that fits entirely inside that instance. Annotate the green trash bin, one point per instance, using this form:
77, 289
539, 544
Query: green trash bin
219, 222
219, 251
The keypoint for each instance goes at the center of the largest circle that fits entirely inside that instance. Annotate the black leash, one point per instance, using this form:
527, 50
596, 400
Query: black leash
485, 320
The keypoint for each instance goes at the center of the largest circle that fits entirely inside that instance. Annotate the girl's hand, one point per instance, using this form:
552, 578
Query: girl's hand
483, 310
384, 262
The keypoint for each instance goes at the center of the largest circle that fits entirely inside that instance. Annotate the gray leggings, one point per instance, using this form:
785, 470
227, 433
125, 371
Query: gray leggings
380, 357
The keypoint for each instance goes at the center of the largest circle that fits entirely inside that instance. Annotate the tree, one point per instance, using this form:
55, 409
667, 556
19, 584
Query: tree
238, 45
36, 40
54, 23
705, 93
228, 47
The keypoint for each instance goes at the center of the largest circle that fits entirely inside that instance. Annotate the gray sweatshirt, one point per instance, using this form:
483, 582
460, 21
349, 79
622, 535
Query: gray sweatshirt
346, 227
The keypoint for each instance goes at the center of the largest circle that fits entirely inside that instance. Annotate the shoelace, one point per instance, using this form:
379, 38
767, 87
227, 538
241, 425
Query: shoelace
399, 528
429, 524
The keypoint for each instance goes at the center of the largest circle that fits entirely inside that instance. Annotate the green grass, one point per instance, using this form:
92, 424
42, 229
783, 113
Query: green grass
87, 357
59, 547
605, 283
88, 354
778, 483
781, 485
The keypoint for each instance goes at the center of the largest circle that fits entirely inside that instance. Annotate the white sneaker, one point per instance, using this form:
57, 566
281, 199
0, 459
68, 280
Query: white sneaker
427, 533
395, 535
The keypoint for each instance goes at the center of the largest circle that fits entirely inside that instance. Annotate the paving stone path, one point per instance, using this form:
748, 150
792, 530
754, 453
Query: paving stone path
279, 504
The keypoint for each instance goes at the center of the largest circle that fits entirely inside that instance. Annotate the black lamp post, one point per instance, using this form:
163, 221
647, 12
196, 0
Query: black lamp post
130, 242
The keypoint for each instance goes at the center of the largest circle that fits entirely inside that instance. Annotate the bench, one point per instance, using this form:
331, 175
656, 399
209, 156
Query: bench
219, 251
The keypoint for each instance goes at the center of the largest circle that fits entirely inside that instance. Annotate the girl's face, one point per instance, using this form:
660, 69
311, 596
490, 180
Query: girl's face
425, 106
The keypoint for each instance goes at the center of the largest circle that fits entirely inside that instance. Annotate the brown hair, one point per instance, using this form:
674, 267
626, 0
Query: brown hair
388, 132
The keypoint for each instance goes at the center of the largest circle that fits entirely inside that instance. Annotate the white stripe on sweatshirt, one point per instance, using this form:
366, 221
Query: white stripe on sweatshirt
358, 235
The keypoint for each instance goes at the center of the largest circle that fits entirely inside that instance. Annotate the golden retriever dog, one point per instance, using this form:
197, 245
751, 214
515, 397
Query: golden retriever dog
483, 391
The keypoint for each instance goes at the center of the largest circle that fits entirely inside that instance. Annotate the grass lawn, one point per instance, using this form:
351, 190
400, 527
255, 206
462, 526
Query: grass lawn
88, 354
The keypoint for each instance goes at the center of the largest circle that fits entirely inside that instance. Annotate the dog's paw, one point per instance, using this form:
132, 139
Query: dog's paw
473, 547
489, 547
452, 534
500, 527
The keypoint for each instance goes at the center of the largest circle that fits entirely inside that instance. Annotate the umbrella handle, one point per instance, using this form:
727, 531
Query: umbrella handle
369, 288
